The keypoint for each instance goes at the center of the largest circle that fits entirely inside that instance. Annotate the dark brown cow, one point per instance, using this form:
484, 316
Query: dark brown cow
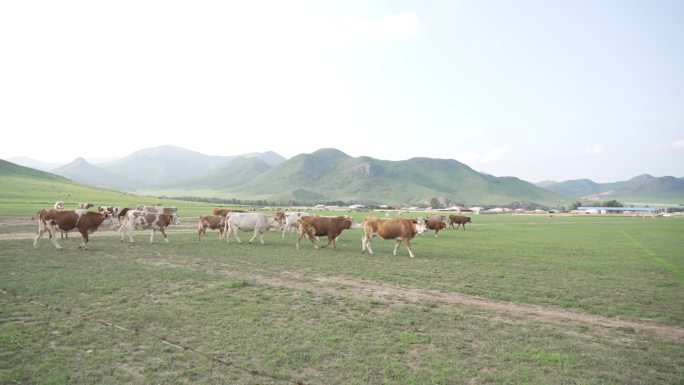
315, 226
434, 224
459, 220
83, 221
213, 222
391, 228
136, 219
224, 212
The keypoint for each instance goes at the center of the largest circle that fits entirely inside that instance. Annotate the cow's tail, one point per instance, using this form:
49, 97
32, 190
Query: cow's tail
37, 215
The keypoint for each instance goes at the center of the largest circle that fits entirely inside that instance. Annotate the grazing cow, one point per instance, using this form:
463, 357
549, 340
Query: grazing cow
459, 220
292, 221
83, 221
391, 228
136, 219
315, 226
213, 222
84, 206
224, 212
259, 223
433, 224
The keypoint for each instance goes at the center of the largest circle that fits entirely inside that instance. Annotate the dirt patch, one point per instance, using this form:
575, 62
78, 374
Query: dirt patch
362, 290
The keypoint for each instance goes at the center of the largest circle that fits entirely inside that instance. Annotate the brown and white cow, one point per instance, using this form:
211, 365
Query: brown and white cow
391, 228
136, 219
435, 224
85, 206
157, 209
117, 212
83, 221
459, 220
315, 226
213, 222
259, 223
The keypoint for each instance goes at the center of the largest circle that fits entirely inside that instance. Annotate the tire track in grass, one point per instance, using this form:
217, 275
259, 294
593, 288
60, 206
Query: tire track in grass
658, 259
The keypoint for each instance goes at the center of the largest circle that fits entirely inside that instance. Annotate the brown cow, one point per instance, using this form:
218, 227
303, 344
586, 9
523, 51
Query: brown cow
224, 212
213, 222
315, 226
83, 221
391, 228
459, 220
136, 219
434, 224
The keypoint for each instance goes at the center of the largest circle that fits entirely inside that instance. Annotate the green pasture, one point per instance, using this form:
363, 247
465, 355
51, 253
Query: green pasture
473, 307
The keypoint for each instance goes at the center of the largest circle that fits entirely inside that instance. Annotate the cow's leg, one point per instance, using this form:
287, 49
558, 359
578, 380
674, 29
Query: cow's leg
408, 246
436, 232
42, 229
201, 231
236, 233
396, 246
330, 240
367, 242
166, 239
152, 236
53, 238
257, 233
84, 239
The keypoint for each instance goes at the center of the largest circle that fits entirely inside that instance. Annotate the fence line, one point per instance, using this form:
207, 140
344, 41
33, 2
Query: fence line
164, 339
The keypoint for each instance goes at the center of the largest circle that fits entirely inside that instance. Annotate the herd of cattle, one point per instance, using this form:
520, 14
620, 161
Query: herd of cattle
229, 223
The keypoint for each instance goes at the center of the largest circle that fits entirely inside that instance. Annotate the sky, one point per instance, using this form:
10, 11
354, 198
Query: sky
536, 89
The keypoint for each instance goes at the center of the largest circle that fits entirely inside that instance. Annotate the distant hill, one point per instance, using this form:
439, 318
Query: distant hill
33, 163
643, 188
236, 172
158, 166
330, 174
82, 171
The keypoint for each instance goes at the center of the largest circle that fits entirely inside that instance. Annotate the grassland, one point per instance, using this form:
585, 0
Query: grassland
511, 300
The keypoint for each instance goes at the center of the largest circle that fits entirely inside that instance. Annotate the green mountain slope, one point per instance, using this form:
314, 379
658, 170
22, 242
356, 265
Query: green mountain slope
24, 191
643, 188
329, 174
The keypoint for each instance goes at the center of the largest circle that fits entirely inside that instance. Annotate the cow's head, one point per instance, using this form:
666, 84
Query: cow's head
175, 219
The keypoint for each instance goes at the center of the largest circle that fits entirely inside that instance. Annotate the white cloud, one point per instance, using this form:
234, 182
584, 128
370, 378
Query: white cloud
678, 144
594, 149
476, 158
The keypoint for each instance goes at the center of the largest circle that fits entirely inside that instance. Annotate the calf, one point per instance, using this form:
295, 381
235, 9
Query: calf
459, 220
433, 224
213, 222
315, 226
83, 221
259, 223
136, 219
391, 228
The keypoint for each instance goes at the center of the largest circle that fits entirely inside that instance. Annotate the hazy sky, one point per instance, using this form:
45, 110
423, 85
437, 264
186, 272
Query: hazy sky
535, 89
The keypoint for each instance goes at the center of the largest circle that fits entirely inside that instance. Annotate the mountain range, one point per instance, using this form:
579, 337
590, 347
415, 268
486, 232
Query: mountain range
331, 175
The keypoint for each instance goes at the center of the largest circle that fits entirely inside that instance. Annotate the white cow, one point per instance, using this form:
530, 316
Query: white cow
259, 223
292, 221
